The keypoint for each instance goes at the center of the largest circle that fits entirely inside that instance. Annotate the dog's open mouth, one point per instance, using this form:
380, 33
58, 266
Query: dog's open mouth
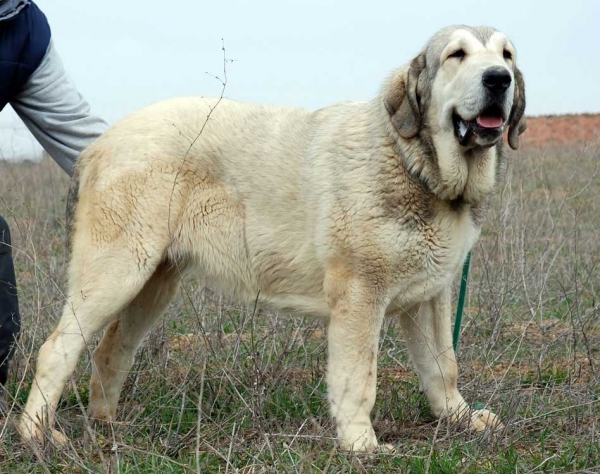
488, 125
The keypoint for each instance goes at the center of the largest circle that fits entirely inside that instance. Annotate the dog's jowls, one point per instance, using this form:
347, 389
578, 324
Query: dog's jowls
352, 212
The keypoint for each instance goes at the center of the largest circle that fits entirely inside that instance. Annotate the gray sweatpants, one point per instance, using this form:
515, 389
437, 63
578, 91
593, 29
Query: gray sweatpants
56, 113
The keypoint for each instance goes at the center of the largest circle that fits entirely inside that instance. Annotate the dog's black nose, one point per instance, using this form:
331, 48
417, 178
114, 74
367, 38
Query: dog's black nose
497, 79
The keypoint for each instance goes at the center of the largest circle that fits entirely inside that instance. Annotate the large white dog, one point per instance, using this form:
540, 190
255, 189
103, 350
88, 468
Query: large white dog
352, 212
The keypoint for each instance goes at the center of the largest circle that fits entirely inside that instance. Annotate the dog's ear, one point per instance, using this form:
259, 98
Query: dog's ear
402, 99
516, 121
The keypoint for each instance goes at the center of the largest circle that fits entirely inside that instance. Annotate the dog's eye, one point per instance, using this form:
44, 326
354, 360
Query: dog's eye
507, 54
459, 54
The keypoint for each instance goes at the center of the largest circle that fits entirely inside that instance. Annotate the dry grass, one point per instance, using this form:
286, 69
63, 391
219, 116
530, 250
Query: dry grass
224, 388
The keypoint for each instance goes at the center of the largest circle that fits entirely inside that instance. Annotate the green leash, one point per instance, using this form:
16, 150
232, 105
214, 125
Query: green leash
461, 302
459, 313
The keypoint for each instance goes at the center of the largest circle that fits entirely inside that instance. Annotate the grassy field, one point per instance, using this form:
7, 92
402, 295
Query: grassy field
219, 387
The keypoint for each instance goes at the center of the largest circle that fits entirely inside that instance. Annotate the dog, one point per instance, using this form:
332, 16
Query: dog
353, 212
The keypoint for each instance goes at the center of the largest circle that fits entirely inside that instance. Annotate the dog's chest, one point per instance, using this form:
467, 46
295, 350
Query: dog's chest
427, 258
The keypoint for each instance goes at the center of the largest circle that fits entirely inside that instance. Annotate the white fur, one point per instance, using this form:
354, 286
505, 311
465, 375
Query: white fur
312, 211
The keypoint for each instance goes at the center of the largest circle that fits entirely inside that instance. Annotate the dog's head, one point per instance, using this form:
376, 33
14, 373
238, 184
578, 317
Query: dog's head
465, 81
464, 89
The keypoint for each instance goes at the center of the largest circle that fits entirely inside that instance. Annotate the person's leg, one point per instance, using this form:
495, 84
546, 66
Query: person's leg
9, 304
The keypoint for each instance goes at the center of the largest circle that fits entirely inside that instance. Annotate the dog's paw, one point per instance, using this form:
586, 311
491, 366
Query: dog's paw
370, 451
100, 412
32, 433
482, 420
358, 439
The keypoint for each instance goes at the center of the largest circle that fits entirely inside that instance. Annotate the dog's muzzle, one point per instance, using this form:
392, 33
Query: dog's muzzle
486, 128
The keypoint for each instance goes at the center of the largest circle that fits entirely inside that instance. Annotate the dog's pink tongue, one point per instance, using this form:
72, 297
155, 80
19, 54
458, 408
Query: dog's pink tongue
489, 121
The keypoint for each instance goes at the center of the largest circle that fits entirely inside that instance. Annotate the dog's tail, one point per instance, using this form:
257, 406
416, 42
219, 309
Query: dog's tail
72, 199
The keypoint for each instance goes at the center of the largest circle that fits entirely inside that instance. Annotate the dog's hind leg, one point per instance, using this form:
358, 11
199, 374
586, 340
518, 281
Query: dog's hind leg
115, 354
102, 282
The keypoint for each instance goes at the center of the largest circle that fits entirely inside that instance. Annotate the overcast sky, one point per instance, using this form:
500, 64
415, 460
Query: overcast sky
124, 54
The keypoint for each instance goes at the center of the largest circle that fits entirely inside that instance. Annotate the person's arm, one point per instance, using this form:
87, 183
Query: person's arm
56, 113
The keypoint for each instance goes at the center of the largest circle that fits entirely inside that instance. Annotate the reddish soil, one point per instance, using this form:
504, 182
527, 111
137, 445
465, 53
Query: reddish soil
562, 130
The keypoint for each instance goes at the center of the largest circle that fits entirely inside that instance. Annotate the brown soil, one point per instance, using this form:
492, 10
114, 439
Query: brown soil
583, 129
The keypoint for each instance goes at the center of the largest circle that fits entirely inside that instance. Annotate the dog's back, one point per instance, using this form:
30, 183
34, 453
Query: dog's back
224, 186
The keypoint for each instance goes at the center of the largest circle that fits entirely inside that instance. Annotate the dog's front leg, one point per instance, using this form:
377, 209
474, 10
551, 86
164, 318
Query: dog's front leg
355, 323
428, 331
